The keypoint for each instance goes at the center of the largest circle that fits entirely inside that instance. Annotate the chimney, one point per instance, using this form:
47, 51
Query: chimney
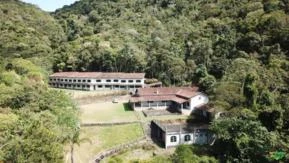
157, 91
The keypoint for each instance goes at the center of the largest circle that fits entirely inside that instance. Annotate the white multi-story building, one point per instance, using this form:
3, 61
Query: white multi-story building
97, 80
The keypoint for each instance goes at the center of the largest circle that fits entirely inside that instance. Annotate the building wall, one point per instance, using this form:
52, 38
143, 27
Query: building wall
200, 137
96, 84
168, 142
159, 105
198, 100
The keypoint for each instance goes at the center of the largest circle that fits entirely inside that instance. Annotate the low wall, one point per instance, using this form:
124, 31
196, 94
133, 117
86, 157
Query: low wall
107, 123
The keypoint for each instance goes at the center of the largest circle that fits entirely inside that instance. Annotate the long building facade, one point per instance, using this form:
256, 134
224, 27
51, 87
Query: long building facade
97, 81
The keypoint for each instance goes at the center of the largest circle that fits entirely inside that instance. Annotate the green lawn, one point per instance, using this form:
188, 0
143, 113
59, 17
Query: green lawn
103, 138
163, 117
106, 112
142, 155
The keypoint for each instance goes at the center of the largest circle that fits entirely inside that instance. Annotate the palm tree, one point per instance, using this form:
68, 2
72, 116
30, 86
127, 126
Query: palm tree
76, 140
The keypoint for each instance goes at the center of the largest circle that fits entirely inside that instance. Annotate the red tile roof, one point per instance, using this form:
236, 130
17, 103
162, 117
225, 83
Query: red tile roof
99, 75
183, 91
159, 98
176, 94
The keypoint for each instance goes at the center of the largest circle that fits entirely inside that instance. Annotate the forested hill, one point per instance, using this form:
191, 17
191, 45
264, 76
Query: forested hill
27, 32
35, 122
169, 38
236, 51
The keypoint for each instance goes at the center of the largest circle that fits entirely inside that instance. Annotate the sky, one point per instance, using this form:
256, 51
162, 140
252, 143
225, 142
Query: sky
50, 5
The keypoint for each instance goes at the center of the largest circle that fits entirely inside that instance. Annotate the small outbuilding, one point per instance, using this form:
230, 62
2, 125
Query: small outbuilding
171, 133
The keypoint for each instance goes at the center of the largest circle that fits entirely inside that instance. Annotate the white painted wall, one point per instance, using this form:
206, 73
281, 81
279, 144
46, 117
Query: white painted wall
187, 142
145, 106
169, 143
198, 100
196, 138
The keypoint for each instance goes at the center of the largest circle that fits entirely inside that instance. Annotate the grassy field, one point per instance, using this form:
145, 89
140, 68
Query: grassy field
101, 110
106, 112
143, 154
103, 138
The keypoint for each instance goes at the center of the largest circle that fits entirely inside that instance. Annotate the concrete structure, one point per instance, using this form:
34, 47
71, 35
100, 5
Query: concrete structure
97, 80
183, 99
172, 133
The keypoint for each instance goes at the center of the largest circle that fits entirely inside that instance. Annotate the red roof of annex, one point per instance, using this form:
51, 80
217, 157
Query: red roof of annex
99, 75
176, 94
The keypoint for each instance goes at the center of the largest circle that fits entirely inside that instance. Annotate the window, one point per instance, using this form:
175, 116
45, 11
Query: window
123, 81
99, 86
74, 80
173, 139
138, 81
88, 86
130, 81
78, 85
70, 80
107, 86
138, 104
187, 137
50, 79
108, 81
83, 80
79, 80
58, 79
65, 80
61, 80
115, 80
88, 81
98, 81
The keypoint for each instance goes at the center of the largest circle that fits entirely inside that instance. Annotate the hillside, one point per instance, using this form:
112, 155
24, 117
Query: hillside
168, 39
27, 32
235, 51
35, 121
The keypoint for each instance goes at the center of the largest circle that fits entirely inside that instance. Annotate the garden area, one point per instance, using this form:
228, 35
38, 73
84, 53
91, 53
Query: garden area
106, 112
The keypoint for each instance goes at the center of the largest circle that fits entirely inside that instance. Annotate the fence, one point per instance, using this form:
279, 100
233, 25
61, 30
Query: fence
118, 149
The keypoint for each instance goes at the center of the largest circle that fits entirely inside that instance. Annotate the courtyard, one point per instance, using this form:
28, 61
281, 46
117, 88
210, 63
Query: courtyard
111, 124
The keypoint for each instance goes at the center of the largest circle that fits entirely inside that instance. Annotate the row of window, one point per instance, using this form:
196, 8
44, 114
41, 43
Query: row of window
88, 86
98, 81
70, 85
187, 137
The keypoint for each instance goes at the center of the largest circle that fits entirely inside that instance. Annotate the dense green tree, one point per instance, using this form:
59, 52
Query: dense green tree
185, 154
243, 140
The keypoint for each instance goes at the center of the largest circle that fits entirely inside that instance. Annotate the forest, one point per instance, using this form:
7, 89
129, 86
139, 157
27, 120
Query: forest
235, 51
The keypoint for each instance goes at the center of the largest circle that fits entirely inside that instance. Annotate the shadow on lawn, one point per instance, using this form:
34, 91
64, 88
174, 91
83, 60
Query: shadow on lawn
127, 107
